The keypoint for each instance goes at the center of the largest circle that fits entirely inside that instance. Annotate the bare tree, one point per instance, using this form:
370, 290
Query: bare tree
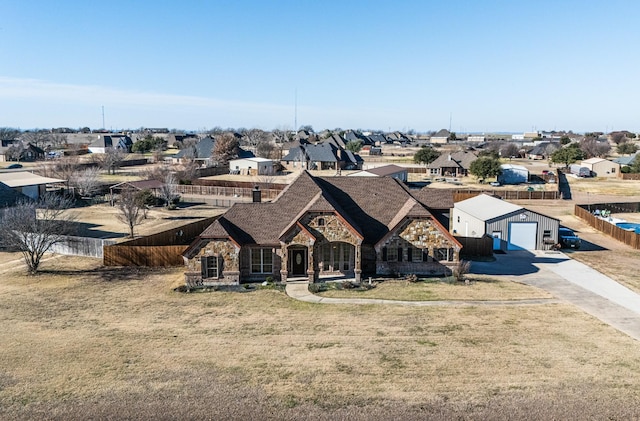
130, 209
86, 181
226, 148
617, 137
33, 227
9, 133
168, 191
37, 138
267, 149
110, 159
509, 149
14, 152
593, 148
64, 167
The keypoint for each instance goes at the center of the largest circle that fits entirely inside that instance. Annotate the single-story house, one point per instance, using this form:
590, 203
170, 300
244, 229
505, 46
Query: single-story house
393, 171
455, 164
511, 226
513, 174
543, 150
18, 152
441, 137
626, 160
202, 152
601, 167
117, 141
251, 166
321, 156
323, 226
27, 183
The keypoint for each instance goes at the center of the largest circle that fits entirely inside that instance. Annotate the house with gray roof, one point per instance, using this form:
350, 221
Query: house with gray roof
202, 152
116, 141
323, 226
454, 164
321, 156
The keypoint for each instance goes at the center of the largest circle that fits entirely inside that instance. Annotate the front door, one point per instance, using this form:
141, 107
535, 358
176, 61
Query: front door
298, 262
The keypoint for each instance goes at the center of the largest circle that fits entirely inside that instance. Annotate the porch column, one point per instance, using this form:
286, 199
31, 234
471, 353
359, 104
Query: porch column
311, 272
285, 263
358, 263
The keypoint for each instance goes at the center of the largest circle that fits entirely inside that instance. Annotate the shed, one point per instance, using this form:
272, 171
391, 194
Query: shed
251, 166
513, 174
29, 184
601, 167
511, 226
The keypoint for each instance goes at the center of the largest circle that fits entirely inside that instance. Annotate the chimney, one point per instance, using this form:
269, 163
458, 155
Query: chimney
257, 194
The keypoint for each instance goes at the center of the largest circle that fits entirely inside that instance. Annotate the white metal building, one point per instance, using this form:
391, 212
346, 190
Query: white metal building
513, 174
511, 226
251, 166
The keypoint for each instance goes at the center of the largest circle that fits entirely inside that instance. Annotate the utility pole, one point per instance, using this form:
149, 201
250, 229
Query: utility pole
103, 117
295, 112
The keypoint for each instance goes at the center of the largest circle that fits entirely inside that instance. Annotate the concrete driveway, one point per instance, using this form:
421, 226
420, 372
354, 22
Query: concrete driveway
572, 282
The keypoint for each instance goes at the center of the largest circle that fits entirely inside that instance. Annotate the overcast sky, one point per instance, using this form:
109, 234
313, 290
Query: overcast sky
399, 65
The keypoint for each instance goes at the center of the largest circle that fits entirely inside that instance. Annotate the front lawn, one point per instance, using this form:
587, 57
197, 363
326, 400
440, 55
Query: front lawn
434, 289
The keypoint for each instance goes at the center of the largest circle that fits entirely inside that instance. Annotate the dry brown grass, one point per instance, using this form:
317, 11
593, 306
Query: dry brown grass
477, 290
93, 342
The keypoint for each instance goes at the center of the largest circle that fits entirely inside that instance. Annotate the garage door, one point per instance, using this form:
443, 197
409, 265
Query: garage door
522, 235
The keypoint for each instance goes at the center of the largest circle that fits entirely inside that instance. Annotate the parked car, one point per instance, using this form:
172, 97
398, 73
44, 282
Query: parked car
568, 238
14, 166
495, 184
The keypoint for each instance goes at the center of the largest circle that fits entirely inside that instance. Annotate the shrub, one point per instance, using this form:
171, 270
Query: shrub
460, 270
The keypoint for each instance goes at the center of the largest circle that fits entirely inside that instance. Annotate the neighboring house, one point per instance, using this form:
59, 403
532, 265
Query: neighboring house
29, 184
251, 166
202, 153
323, 156
116, 141
377, 139
28, 153
393, 171
511, 226
625, 160
601, 167
154, 186
476, 138
323, 226
441, 137
513, 174
177, 140
455, 164
543, 150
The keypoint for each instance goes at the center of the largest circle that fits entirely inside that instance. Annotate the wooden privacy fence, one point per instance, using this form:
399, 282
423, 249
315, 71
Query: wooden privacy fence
462, 194
161, 249
476, 246
199, 190
630, 238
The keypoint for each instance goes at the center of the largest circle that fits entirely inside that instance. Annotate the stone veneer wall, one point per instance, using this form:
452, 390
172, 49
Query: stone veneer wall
421, 234
228, 252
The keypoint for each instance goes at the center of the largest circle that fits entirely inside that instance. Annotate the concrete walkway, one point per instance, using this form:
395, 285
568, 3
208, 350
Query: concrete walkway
566, 279
572, 282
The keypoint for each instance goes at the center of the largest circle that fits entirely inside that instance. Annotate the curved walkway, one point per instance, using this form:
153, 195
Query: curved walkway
300, 291
566, 279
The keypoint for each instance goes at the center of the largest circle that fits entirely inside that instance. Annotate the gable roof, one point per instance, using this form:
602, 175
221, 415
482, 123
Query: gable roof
435, 198
485, 207
442, 133
372, 207
625, 160
460, 159
592, 161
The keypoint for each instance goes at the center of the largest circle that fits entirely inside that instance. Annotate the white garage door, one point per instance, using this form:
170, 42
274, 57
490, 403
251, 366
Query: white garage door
522, 235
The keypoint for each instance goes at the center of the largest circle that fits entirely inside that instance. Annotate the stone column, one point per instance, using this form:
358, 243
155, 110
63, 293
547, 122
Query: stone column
285, 263
358, 262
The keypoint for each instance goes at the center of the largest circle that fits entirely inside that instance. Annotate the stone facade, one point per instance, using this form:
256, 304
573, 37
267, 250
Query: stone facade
438, 254
229, 271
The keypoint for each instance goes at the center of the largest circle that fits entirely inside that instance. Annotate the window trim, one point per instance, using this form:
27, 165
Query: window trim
205, 267
263, 253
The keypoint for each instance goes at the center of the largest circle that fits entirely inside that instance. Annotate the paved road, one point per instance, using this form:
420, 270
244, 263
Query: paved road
566, 279
572, 282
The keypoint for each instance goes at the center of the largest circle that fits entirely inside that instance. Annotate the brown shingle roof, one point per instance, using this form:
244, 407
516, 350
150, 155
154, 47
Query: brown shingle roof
372, 206
435, 198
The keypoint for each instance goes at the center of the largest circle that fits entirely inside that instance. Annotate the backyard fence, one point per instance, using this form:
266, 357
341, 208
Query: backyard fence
81, 246
200, 190
161, 249
627, 237
463, 194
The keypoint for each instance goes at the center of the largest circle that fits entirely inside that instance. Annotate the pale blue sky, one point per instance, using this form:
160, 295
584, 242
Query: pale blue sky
490, 65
